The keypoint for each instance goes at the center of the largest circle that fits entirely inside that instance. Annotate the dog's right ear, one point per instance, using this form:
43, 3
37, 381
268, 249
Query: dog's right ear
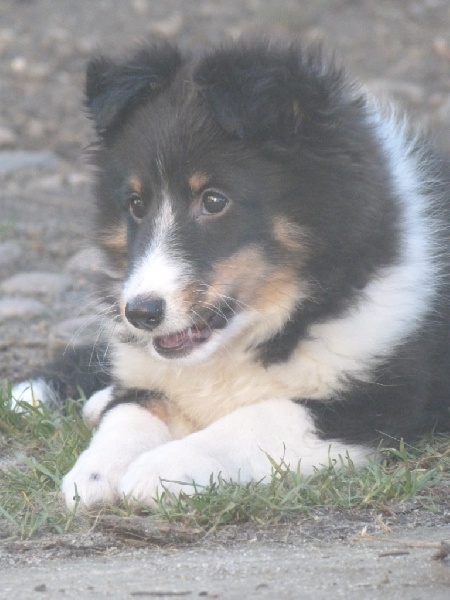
114, 90
273, 93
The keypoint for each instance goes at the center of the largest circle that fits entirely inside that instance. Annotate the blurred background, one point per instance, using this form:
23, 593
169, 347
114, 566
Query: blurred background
399, 48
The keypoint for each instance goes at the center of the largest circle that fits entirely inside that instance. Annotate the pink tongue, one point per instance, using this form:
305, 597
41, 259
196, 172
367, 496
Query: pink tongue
177, 340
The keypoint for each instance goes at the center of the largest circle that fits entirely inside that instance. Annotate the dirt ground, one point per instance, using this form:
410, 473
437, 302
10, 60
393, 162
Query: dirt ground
252, 569
400, 48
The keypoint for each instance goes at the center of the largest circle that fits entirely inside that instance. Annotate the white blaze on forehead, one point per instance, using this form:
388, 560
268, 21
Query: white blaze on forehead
164, 225
161, 270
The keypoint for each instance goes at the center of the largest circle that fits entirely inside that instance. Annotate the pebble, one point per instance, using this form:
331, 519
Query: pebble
19, 65
442, 48
77, 178
10, 252
49, 183
140, 7
13, 161
444, 111
8, 137
36, 283
21, 308
7, 37
85, 262
168, 27
36, 128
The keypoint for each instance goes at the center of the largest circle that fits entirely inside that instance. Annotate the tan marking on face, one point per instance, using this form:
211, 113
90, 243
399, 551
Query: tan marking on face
114, 241
135, 184
197, 181
290, 235
279, 293
256, 283
115, 238
190, 295
242, 270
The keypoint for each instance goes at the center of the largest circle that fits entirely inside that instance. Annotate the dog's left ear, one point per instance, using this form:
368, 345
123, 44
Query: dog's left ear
114, 90
268, 94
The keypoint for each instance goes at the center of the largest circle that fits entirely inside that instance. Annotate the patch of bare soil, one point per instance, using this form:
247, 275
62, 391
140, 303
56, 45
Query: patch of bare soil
301, 560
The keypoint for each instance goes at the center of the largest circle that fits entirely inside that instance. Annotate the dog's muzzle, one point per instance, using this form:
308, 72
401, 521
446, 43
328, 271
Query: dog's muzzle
148, 313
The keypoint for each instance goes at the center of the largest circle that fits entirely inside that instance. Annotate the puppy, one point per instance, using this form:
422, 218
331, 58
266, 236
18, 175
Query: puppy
276, 271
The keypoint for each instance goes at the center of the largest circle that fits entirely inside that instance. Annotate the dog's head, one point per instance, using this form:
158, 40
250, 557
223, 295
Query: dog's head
231, 193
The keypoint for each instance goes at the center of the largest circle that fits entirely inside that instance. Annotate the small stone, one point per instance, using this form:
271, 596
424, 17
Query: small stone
21, 308
140, 7
84, 262
74, 179
49, 183
36, 128
442, 48
7, 37
39, 71
86, 46
8, 137
58, 33
19, 65
36, 283
444, 111
13, 161
170, 26
10, 252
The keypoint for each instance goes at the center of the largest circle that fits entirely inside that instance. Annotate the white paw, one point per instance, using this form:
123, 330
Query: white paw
31, 392
93, 480
96, 404
125, 432
174, 467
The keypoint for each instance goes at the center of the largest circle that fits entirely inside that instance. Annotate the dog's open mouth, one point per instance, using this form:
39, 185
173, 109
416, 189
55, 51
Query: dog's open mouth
182, 343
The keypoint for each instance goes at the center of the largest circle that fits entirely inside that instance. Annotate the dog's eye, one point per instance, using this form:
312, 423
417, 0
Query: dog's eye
213, 203
136, 207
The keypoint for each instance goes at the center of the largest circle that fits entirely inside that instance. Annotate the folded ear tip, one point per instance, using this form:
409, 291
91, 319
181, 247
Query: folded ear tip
112, 88
266, 91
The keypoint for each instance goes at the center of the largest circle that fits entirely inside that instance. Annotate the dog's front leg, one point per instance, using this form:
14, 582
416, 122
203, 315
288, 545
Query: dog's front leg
237, 447
124, 432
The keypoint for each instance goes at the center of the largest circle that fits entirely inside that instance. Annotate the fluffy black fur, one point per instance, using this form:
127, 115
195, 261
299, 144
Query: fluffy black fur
286, 134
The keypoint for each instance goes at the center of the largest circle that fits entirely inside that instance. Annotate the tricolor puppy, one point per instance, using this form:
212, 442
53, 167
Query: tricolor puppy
276, 250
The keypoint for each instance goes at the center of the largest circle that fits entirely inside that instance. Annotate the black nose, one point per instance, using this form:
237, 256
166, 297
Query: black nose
145, 312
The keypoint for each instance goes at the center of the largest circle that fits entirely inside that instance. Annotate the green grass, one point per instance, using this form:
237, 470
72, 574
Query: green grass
402, 474
39, 446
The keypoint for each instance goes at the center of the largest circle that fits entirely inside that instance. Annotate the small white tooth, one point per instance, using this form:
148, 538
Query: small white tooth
190, 333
